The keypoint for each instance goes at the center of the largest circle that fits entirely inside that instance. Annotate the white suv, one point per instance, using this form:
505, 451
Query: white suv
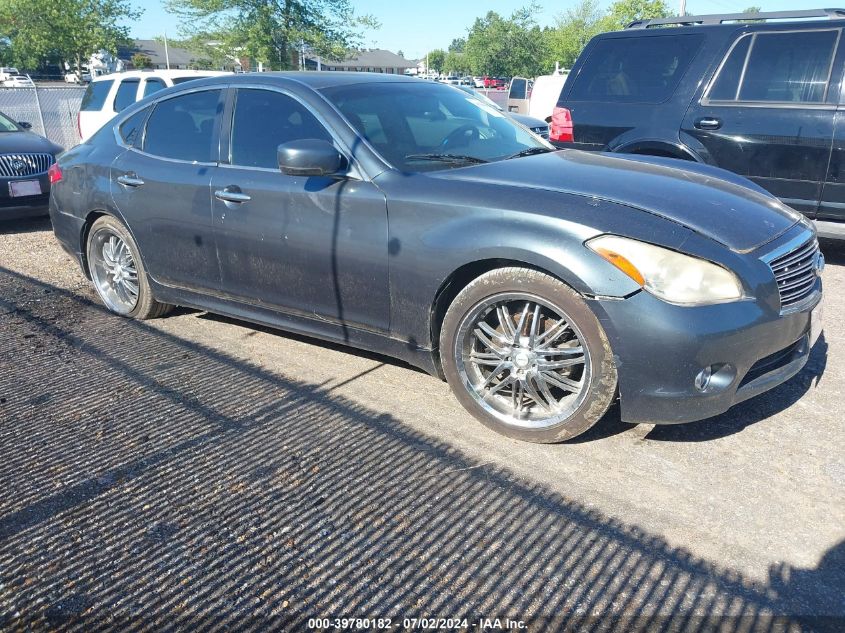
109, 94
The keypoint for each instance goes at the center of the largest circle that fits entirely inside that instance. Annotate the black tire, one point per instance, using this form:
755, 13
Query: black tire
528, 364
145, 305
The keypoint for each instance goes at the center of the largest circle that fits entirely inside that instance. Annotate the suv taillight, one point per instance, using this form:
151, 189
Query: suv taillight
561, 126
54, 173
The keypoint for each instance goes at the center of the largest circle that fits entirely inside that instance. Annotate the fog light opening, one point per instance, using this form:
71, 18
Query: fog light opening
715, 377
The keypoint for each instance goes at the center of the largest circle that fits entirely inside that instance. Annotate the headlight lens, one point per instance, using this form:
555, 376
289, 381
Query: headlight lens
669, 275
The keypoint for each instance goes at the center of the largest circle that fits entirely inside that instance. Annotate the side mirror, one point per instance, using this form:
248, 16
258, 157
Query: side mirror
309, 157
25, 125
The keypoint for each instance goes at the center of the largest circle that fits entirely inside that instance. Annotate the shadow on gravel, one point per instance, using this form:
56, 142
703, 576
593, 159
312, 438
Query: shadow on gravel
28, 225
152, 483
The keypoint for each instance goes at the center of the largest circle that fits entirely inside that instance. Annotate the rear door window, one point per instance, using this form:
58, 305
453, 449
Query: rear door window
130, 130
95, 95
635, 69
780, 67
185, 127
126, 93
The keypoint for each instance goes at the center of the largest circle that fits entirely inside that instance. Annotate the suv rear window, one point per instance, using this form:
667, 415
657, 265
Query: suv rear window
95, 95
635, 69
779, 67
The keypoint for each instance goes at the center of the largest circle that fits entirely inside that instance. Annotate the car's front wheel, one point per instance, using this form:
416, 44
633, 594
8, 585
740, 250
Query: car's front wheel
526, 356
118, 272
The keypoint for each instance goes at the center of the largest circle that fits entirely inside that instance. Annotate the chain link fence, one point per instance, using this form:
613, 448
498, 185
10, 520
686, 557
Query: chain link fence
51, 110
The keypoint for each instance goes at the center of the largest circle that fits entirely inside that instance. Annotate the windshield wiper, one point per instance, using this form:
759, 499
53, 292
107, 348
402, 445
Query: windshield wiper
448, 158
529, 151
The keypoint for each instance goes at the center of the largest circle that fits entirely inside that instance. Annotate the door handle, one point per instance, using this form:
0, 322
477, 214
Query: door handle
130, 180
228, 195
708, 123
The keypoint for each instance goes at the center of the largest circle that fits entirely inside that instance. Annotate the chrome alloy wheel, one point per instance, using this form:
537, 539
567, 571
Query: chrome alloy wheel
522, 359
113, 271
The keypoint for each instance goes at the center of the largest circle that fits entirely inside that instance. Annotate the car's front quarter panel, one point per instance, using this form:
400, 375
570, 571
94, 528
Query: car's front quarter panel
438, 226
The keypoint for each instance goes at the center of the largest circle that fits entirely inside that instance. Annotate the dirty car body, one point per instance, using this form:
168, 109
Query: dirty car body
375, 254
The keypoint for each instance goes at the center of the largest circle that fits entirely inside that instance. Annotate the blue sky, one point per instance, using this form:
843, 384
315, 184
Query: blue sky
415, 27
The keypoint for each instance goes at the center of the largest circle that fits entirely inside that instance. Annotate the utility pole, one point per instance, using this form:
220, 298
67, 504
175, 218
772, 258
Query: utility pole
166, 52
683, 9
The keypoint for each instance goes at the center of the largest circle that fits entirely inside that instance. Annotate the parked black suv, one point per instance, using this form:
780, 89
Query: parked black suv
764, 99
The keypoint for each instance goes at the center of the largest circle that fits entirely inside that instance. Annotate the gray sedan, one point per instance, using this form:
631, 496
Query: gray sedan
407, 218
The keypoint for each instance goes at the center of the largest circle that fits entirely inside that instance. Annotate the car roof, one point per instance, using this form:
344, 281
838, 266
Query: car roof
326, 79
779, 25
170, 74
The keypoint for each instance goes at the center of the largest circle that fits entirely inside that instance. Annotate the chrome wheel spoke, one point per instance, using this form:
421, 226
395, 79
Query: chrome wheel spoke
548, 337
517, 397
487, 341
506, 322
493, 375
560, 364
545, 392
560, 381
535, 326
522, 318
535, 395
562, 350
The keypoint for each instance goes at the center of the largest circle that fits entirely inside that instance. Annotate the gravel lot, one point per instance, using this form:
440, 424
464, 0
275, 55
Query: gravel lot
195, 471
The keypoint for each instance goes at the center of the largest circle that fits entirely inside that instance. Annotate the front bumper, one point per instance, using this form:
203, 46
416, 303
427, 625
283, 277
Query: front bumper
751, 346
26, 206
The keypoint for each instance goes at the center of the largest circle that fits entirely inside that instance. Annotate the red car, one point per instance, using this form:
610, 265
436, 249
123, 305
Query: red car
495, 83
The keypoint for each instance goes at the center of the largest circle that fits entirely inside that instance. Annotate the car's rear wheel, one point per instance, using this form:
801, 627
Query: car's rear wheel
526, 356
118, 272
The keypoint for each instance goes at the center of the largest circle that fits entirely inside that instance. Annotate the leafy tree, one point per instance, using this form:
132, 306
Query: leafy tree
573, 30
458, 44
139, 60
400, 53
456, 63
578, 25
622, 12
44, 31
436, 60
271, 31
511, 46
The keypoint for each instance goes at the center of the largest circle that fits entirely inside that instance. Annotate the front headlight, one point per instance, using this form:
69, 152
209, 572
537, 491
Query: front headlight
667, 274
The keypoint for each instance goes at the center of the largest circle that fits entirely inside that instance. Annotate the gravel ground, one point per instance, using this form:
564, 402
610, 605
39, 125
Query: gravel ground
194, 471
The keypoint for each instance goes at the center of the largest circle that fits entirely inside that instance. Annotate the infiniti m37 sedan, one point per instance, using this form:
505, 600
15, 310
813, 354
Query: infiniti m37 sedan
408, 218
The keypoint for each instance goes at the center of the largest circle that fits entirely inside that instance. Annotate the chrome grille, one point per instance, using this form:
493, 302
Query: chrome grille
17, 165
796, 273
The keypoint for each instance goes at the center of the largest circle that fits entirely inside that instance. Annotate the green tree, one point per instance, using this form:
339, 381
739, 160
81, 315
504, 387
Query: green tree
456, 63
511, 46
44, 31
436, 60
139, 60
573, 30
457, 45
577, 26
271, 31
621, 13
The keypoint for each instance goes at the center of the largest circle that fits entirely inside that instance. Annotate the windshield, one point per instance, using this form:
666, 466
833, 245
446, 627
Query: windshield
484, 98
424, 126
6, 124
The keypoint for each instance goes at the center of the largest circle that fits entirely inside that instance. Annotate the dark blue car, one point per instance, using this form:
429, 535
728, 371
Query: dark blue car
406, 217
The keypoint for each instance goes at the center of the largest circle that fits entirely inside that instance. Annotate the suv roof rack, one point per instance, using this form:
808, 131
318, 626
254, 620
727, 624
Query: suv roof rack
689, 20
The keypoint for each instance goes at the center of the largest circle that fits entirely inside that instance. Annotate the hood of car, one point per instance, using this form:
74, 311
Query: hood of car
710, 201
25, 142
